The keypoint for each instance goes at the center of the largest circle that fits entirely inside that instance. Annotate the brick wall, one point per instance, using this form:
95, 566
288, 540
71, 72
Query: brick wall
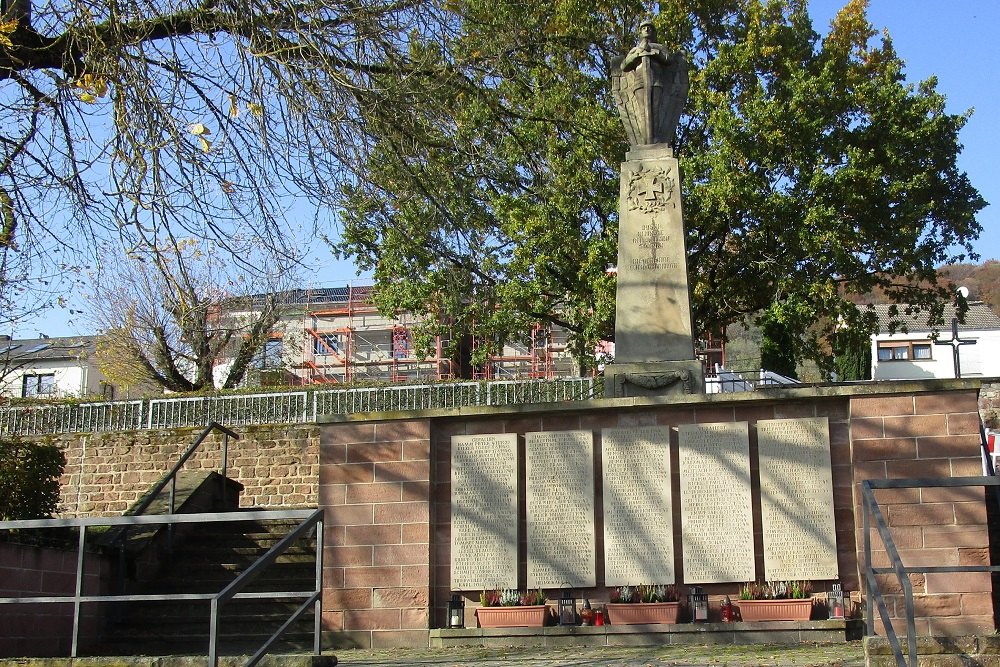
42, 630
106, 472
375, 489
930, 435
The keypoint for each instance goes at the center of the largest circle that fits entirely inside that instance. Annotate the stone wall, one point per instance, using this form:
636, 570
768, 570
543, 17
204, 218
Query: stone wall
387, 580
107, 472
989, 404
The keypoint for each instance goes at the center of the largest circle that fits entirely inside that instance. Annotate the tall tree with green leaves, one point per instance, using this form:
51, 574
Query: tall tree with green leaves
811, 171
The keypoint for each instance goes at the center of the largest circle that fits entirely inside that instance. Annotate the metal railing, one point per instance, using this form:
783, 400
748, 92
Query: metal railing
874, 599
311, 520
290, 407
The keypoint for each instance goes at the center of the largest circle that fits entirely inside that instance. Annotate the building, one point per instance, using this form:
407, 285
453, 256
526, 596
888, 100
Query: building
918, 351
51, 368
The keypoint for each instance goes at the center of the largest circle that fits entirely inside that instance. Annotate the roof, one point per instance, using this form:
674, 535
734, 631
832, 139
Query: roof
36, 349
979, 317
316, 296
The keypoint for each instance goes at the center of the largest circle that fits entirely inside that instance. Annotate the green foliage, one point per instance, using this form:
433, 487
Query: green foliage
811, 172
776, 590
777, 348
853, 356
29, 479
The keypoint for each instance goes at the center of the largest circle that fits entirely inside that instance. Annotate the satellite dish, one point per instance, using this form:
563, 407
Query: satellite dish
964, 291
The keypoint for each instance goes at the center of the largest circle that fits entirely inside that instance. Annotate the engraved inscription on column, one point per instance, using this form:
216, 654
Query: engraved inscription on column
560, 511
638, 522
796, 499
483, 511
716, 505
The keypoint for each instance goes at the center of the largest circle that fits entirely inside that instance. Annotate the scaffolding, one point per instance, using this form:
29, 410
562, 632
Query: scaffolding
544, 357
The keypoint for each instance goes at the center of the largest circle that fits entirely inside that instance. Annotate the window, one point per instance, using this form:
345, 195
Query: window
904, 351
327, 343
38, 385
270, 355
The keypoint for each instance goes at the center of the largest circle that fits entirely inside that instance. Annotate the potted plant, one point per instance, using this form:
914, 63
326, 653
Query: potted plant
643, 604
776, 601
510, 608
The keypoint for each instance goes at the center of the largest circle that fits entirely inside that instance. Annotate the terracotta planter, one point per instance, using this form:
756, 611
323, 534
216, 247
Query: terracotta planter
642, 613
775, 610
512, 617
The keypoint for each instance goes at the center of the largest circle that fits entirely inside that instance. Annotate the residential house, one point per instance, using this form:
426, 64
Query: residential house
51, 368
919, 351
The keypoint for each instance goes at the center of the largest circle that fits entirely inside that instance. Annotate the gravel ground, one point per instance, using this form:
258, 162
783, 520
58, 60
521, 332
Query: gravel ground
850, 654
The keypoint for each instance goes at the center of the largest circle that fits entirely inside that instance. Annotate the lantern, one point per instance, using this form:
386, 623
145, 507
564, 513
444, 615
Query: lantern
698, 602
456, 611
567, 608
835, 602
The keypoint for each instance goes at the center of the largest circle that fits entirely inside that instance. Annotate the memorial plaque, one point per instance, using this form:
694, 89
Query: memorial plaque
716, 504
560, 509
796, 499
638, 522
483, 511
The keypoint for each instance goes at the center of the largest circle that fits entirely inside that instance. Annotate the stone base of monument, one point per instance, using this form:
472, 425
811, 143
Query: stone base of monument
658, 378
775, 632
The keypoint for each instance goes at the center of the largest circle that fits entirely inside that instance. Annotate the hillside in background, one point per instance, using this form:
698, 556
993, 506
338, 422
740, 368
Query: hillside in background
983, 281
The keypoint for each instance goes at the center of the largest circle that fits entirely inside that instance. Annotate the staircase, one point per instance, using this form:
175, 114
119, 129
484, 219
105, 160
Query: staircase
205, 560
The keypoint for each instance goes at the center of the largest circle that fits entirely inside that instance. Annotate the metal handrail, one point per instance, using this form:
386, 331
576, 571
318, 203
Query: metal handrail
313, 597
171, 476
874, 598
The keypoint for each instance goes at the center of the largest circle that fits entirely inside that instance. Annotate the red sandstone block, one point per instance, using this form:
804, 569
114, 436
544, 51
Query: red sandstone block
332, 494
881, 449
349, 473
754, 413
374, 451
953, 401
399, 638
961, 625
970, 513
921, 515
402, 513
371, 619
400, 598
416, 491
444, 430
402, 554
416, 533
836, 410
416, 619
522, 425
943, 604
954, 536
970, 556
964, 424
418, 429
711, 414
843, 475
840, 433
403, 471
347, 433
918, 468
481, 427
897, 496
869, 470
384, 492
418, 450
595, 421
948, 446
790, 410
888, 583
357, 577
843, 497
352, 556
379, 534
867, 428
962, 494
348, 598
334, 535
958, 582
333, 621
914, 426
418, 575
350, 515
328, 453
966, 467
977, 604
881, 406
561, 422
333, 577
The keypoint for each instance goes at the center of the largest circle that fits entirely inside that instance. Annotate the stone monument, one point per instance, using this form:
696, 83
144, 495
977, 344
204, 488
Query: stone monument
654, 345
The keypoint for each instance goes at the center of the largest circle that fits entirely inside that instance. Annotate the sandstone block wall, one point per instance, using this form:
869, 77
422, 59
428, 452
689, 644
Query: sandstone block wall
107, 472
932, 435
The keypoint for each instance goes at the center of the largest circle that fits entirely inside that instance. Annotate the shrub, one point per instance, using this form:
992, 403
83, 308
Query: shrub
29, 479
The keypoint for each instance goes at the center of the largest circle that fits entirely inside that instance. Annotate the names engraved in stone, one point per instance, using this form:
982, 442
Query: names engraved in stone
796, 499
716, 505
483, 511
560, 509
638, 518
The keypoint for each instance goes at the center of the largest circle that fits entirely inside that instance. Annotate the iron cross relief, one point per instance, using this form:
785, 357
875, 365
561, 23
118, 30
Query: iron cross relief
650, 190
955, 343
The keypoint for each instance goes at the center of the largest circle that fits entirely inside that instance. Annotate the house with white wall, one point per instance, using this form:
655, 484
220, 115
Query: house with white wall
51, 368
918, 351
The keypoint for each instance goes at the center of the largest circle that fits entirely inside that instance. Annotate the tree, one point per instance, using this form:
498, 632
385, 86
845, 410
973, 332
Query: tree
810, 172
170, 313
29, 479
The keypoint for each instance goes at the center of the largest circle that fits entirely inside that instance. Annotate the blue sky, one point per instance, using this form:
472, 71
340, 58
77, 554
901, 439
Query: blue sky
955, 42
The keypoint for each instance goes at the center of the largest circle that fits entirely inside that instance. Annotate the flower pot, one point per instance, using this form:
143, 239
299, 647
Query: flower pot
512, 617
775, 610
642, 613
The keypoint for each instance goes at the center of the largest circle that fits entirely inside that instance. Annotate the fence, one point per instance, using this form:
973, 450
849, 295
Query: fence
285, 407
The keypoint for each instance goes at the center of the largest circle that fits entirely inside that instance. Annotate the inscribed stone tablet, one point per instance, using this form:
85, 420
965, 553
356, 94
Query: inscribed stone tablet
483, 511
638, 521
796, 499
560, 512
716, 505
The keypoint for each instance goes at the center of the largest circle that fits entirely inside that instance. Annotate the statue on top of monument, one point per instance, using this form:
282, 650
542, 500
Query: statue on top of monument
650, 86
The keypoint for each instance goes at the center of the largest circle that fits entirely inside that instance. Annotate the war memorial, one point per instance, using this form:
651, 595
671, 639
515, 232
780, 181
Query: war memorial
657, 484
